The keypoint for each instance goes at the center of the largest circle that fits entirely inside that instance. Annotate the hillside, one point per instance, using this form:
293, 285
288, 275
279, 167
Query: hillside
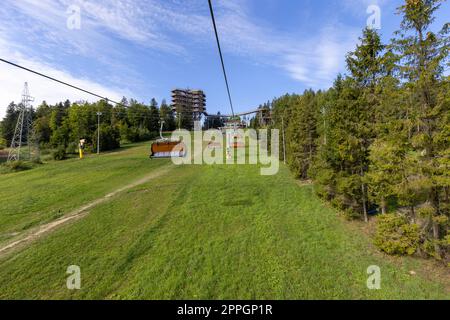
194, 232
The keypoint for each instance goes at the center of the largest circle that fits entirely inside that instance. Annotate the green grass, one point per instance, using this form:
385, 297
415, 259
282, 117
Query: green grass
209, 232
30, 198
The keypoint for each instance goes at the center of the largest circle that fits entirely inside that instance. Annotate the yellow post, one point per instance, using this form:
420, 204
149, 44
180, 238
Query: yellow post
81, 148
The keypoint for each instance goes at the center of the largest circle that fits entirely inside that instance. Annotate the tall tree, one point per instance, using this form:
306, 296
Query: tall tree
9, 122
302, 134
41, 124
365, 63
167, 116
423, 54
154, 117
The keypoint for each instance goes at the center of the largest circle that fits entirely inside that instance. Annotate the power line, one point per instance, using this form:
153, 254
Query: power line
221, 56
128, 112
56, 80
119, 103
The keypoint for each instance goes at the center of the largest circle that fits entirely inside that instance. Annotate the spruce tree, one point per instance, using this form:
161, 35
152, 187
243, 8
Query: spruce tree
301, 134
167, 116
423, 55
9, 122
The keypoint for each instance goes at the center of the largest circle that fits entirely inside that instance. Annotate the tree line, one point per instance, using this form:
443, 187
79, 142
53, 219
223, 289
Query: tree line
378, 141
61, 126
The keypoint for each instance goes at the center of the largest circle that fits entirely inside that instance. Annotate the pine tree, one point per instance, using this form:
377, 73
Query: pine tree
365, 63
167, 116
386, 158
154, 117
423, 55
347, 126
9, 122
301, 134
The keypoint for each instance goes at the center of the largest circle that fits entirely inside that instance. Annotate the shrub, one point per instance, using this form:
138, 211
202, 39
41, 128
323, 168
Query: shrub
2, 143
15, 166
135, 134
59, 154
396, 236
325, 179
72, 148
350, 214
36, 160
109, 138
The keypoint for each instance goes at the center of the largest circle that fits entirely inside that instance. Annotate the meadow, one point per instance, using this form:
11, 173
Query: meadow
195, 232
32, 197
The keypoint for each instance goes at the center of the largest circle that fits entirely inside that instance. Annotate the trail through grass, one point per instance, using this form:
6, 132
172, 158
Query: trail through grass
31, 198
211, 232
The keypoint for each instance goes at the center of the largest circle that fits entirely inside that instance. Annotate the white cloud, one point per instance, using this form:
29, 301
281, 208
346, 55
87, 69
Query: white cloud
168, 26
136, 21
150, 22
313, 59
320, 66
12, 81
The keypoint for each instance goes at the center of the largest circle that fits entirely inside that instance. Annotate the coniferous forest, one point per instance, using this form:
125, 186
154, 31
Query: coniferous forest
378, 141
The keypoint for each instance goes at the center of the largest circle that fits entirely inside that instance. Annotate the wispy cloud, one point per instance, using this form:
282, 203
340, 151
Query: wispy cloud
129, 19
173, 27
34, 33
318, 66
12, 81
313, 59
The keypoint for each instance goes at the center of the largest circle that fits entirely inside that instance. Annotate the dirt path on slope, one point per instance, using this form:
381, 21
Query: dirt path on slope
77, 214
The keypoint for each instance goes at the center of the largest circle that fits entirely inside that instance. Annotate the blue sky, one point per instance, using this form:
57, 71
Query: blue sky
143, 49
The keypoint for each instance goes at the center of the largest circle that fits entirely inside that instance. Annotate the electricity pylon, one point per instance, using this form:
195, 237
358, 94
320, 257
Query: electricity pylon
23, 125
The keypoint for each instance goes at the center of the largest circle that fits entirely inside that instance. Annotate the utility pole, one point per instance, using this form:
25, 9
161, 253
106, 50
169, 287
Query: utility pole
24, 119
284, 141
98, 132
161, 129
324, 112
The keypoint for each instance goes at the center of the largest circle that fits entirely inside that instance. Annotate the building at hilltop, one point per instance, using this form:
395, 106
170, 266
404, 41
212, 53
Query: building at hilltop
188, 105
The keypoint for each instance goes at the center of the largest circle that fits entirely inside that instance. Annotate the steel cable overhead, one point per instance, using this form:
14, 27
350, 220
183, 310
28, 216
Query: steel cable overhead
59, 81
132, 113
221, 56
136, 114
119, 103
